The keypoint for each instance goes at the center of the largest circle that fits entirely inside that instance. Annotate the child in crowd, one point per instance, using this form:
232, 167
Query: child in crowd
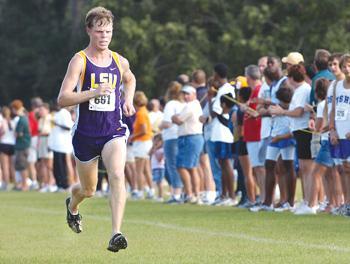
224, 152
157, 164
243, 97
282, 143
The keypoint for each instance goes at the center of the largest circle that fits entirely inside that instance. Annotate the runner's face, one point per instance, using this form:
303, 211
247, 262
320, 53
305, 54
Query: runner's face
101, 35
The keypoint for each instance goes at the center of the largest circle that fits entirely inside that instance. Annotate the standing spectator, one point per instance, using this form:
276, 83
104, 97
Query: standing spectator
7, 144
225, 160
130, 167
282, 144
323, 162
321, 63
198, 81
45, 155
214, 171
293, 58
173, 106
252, 130
221, 134
205, 171
243, 96
142, 143
22, 143
157, 163
155, 115
33, 118
339, 127
262, 63
183, 79
339, 182
299, 123
60, 142
190, 143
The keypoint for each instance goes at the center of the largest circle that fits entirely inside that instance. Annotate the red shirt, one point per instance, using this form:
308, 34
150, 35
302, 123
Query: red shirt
33, 124
251, 125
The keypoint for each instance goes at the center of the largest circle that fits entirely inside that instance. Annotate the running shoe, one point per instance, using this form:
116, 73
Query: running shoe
117, 242
74, 221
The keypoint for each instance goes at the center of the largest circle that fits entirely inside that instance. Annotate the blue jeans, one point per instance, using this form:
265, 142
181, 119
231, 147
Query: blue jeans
215, 166
170, 153
189, 150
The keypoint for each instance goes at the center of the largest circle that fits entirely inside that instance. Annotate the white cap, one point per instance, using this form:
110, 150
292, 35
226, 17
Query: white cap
188, 89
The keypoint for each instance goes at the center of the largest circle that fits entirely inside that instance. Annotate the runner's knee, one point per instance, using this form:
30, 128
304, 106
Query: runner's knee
89, 192
116, 175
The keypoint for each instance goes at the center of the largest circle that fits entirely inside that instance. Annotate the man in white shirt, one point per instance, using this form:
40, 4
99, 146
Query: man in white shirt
190, 143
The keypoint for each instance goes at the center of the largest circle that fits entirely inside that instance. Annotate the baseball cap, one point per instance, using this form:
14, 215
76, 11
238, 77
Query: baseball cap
188, 89
240, 82
293, 58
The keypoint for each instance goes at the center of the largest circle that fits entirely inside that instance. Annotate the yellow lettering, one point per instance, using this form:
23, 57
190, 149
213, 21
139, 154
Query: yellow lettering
93, 84
104, 77
112, 80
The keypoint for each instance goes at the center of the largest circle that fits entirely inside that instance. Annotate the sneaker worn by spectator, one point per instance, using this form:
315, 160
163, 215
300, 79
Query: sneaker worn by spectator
248, 204
283, 207
258, 208
174, 200
305, 210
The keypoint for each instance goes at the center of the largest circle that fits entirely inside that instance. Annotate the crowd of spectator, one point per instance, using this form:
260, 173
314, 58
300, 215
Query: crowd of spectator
214, 140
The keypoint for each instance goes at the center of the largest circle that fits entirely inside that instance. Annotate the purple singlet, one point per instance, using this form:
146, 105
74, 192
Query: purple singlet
101, 116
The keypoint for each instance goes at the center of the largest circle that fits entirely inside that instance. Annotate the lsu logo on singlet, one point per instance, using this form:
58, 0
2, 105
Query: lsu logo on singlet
104, 78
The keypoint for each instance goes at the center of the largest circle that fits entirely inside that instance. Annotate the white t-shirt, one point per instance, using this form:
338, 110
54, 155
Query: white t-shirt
300, 98
274, 89
342, 110
266, 122
280, 125
9, 135
155, 119
172, 107
221, 132
155, 164
207, 127
190, 116
330, 97
60, 140
319, 114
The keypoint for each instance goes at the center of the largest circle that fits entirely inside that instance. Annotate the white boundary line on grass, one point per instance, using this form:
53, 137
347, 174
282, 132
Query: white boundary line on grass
201, 231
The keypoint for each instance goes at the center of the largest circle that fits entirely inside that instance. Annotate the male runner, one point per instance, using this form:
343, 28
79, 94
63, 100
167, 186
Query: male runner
97, 72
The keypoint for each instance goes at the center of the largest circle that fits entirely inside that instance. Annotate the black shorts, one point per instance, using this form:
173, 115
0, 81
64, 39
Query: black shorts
241, 147
303, 140
7, 149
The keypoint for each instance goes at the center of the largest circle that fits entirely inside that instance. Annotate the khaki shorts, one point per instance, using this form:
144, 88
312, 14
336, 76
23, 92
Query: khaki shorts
21, 159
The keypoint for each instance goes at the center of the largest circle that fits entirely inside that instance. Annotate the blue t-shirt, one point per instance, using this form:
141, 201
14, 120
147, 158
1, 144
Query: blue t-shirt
321, 74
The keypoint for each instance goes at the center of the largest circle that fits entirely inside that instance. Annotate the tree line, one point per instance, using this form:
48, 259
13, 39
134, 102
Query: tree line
161, 38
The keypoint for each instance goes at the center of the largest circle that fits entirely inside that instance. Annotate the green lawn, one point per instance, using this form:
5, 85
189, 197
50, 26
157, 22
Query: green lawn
33, 230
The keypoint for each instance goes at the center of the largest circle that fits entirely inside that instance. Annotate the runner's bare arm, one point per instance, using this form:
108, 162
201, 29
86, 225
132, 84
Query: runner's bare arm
129, 82
67, 96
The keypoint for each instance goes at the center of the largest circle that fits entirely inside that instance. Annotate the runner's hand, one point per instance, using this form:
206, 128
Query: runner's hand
128, 109
103, 89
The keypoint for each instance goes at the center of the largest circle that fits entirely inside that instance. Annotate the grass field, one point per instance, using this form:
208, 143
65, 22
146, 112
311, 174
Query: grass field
33, 230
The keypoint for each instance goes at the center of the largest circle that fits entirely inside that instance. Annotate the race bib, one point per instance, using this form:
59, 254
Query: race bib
105, 103
341, 114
